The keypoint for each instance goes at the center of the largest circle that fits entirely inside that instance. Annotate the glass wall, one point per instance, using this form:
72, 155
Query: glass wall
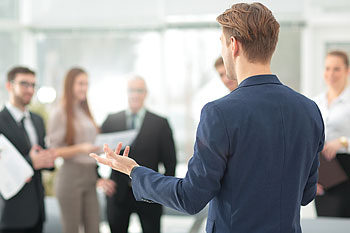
177, 64
9, 47
9, 41
8, 9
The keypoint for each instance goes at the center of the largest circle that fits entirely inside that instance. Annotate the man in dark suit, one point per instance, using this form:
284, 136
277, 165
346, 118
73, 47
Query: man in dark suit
256, 152
24, 212
154, 144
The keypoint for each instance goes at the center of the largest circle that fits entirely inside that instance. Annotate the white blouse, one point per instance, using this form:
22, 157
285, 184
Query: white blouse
85, 131
336, 116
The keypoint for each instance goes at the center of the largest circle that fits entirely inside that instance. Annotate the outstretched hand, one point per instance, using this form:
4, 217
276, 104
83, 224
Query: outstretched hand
117, 162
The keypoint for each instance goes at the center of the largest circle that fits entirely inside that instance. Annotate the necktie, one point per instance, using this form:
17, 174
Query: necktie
133, 118
24, 131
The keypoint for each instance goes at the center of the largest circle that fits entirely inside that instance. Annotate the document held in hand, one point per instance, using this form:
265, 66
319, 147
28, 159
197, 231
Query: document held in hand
14, 169
112, 139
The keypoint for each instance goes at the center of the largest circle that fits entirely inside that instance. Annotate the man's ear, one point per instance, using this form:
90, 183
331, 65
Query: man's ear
234, 45
8, 86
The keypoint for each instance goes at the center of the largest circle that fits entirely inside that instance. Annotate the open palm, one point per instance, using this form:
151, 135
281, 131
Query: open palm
117, 162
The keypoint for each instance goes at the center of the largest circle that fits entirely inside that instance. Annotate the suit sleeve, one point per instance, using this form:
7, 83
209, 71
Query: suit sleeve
205, 170
105, 125
167, 150
311, 185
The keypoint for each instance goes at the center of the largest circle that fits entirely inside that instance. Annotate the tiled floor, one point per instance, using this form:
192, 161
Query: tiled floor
183, 224
170, 224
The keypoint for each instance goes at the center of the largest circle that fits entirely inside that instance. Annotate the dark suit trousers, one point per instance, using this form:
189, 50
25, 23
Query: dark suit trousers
38, 228
119, 214
336, 201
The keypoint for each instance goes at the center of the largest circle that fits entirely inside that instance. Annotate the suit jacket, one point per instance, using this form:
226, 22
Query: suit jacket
26, 208
154, 144
255, 159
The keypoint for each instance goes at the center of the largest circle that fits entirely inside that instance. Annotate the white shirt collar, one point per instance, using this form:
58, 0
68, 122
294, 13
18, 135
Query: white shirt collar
344, 96
141, 112
16, 113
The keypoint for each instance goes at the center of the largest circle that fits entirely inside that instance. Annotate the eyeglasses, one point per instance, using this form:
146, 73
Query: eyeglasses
136, 90
25, 84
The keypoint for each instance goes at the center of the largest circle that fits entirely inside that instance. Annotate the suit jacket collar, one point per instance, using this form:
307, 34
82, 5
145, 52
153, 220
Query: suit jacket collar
16, 113
8, 117
13, 133
260, 80
5, 113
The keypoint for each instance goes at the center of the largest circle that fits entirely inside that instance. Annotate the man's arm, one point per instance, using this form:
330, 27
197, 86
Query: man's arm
311, 185
205, 170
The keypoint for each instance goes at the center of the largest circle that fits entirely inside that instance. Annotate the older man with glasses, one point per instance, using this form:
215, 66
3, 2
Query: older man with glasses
154, 144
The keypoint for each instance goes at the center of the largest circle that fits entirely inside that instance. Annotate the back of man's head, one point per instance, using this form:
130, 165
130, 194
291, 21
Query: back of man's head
254, 26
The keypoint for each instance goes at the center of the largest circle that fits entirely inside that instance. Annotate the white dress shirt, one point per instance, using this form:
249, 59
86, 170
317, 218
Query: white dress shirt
18, 114
336, 116
139, 117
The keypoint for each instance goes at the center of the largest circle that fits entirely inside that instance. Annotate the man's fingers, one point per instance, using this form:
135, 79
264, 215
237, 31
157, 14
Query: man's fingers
118, 149
126, 151
37, 147
101, 160
109, 153
95, 156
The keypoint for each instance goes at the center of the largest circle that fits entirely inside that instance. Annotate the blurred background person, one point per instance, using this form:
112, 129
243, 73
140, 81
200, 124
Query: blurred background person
231, 85
220, 68
153, 145
212, 90
334, 105
25, 212
72, 131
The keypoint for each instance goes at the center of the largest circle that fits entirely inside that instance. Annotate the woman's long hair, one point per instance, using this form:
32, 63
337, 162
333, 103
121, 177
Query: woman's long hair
68, 104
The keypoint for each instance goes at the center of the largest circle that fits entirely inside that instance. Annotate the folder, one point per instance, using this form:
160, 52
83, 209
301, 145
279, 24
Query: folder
330, 173
14, 169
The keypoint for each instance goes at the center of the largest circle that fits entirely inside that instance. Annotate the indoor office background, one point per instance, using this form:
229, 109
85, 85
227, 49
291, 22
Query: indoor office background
172, 44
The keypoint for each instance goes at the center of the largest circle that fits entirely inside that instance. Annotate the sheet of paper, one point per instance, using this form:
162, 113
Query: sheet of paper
112, 139
14, 169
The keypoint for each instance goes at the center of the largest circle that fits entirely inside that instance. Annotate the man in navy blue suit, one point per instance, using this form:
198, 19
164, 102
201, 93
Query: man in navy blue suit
256, 152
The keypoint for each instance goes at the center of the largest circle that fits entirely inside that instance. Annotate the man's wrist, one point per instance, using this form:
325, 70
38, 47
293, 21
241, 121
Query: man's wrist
132, 169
